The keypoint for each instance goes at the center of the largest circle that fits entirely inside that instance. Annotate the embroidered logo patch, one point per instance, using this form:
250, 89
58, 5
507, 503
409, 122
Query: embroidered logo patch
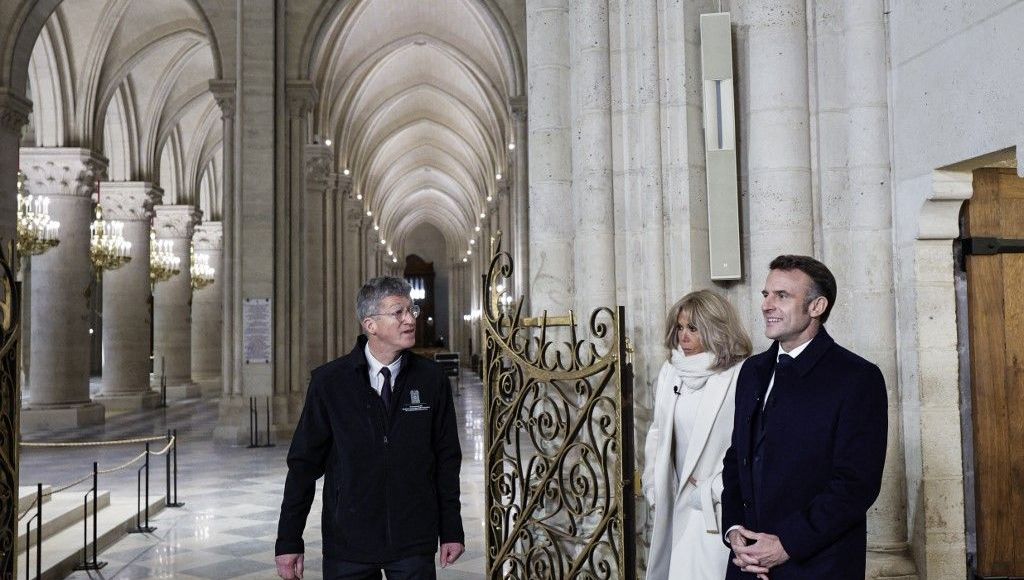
414, 396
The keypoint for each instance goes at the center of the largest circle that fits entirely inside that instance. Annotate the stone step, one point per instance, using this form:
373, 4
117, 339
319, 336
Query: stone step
27, 494
63, 550
61, 511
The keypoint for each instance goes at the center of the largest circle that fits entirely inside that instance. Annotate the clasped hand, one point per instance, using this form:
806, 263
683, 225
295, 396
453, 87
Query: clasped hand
755, 552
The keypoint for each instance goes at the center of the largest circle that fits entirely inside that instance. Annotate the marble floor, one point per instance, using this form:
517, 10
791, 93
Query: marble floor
232, 495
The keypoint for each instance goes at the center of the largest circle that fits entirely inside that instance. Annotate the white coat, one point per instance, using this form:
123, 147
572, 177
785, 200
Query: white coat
674, 550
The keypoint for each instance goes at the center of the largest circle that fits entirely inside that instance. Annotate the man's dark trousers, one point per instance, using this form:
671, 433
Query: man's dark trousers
412, 568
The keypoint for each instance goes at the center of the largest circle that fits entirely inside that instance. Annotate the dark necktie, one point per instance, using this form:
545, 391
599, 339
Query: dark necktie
385, 390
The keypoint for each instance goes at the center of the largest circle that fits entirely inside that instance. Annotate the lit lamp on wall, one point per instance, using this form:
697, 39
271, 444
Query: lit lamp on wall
37, 233
202, 271
418, 291
163, 264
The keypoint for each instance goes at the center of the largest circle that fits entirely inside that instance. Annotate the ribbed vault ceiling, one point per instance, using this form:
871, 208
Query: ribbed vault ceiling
414, 97
130, 80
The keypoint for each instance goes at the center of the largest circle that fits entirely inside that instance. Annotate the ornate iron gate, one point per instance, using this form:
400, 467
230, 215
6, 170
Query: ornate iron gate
559, 441
10, 404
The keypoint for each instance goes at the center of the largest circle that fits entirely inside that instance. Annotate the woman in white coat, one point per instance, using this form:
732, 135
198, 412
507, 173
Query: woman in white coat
692, 428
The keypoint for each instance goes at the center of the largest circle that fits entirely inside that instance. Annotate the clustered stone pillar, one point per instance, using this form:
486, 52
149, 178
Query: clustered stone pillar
858, 240
172, 304
550, 156
778, 147
313, 296
61, 278
519, 241
208, 309
351, 275
126, 300
231, 356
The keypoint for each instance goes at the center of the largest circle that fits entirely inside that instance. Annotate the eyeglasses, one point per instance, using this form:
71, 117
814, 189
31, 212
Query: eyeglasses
398, 315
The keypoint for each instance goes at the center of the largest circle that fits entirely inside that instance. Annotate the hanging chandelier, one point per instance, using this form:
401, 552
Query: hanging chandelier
37, 233
202, 271
108, 250
163, 264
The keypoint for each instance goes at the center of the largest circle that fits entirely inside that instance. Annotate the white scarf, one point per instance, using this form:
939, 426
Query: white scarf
694, 370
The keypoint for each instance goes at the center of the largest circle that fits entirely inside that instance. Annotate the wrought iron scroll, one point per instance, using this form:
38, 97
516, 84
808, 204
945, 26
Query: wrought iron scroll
10, 399
559, 441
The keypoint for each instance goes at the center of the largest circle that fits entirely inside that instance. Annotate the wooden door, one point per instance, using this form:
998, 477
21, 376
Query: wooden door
995, 295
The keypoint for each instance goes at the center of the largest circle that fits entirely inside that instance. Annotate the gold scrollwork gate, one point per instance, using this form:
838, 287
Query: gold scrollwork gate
10, 404
559, 442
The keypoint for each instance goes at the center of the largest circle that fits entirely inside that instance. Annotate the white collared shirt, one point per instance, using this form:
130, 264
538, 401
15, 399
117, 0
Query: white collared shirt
377, 379
793, 353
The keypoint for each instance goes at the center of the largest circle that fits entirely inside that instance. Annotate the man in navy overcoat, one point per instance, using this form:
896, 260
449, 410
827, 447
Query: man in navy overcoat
808, 441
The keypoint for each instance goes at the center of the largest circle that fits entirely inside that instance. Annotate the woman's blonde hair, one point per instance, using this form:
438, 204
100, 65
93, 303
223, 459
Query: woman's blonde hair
717, 324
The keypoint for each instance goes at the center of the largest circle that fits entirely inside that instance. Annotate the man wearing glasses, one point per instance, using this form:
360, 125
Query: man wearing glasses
380, 424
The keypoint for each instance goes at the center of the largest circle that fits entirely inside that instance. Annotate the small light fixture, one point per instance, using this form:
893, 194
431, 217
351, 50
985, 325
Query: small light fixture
489, 198
395, 260
328, 142
511, 146
469, 252
369, 213
376, 228
391, 252
497, 176
346, 171
483, 215
465, 259
383, 242
472, 241
477, 228
359, 196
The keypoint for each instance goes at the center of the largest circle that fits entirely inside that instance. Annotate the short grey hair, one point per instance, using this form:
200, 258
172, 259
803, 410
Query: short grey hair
377, 289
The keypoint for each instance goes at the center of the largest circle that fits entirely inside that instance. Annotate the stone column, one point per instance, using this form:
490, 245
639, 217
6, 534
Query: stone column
292, 333
518, 240
61, 277
14, 114
592, 203
172, 305
314, 296
126, 301
231, 355
208, 309
550, 156
772, 38
858, 238
350, 274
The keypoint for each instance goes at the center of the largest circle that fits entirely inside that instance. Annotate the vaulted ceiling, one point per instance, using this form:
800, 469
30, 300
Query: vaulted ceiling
414, 96
129, 80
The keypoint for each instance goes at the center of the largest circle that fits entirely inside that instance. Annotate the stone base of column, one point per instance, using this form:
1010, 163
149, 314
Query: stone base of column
890, 564
62, 417
210, 386
232, 420
181, 391
130, 401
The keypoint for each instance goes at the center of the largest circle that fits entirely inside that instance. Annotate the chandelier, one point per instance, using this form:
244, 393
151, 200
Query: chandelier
418, 291
37, 233
163, 264
108, 250
202, 271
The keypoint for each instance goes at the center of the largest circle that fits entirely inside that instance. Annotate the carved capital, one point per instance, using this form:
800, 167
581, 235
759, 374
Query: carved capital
175, 221
14, 110
317, 169
129, 200
68, 172
223, 91
301, 95
345, 190
208, 236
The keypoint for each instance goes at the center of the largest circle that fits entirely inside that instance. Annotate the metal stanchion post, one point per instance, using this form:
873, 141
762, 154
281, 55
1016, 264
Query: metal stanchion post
173, 435
139, 527
253, 423
147, 487
269, 444
95, 564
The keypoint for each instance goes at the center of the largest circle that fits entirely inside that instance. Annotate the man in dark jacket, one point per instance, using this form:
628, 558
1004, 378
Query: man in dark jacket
380, 423
808, 441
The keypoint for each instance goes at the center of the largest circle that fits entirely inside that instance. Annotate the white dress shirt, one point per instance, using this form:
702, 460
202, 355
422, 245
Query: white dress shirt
377, 379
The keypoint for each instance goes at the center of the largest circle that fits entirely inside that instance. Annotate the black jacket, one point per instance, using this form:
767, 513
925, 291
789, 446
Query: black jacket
818, 467
392, 482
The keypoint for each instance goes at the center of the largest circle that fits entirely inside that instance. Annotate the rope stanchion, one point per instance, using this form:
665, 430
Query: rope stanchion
139, 527
172, 444
94, 564
254, 424
91, 443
